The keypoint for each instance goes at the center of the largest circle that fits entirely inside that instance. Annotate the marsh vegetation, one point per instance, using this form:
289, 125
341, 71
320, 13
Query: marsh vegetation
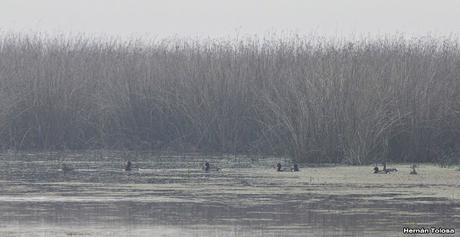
310, 99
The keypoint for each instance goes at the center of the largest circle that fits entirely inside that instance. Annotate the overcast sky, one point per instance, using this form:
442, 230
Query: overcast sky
219, 18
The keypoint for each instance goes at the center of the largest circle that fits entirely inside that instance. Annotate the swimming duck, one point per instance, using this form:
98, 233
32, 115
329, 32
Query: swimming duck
128, 166
295, 168
390, 170
376, 170
279, 167
206, 167
385, 170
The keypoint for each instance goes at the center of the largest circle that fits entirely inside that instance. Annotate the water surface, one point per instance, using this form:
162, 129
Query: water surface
171, 196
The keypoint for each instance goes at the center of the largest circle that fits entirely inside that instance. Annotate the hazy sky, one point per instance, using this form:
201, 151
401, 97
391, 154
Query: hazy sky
202, 18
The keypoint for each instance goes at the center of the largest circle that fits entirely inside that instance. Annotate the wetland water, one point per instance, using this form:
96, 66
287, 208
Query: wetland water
171, 196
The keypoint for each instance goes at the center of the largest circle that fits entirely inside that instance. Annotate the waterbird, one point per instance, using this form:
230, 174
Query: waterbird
128, 166
390, 170
385, 170
376, 170
413, 169
295, 168
279, 167
206, 167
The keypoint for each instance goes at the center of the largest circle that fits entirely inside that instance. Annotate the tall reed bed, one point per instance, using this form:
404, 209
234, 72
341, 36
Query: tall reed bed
332, 101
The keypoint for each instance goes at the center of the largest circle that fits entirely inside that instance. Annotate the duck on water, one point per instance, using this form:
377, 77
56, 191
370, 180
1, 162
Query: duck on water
207, 167
385, 169
128, 166
294, 168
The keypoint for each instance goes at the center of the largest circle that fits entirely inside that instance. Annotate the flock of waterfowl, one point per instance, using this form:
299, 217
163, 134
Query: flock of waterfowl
386, 170
279, 168
294, 168
206, 167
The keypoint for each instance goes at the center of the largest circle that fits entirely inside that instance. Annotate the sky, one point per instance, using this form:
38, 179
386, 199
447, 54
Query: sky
219, 18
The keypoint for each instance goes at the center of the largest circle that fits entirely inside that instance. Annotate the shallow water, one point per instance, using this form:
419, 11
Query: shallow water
171, 196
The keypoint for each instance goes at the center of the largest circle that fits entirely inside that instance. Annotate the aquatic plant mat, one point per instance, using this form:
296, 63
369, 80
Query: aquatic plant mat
170, 196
